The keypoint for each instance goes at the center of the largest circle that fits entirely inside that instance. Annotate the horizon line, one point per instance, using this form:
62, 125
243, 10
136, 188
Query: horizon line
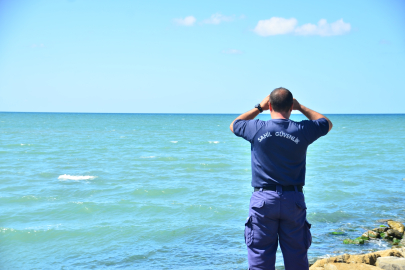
193, 113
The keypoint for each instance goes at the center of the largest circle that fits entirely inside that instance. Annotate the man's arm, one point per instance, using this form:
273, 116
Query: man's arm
253, 112
310, 114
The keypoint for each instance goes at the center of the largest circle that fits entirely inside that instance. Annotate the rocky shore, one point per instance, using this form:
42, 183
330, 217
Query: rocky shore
390, 259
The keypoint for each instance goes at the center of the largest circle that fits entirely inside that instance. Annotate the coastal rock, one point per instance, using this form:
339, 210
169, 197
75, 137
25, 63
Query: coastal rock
380, 229
357, 241
401, 250
394, 233
391, 263
402, 243
384, 235
369, 259
373, 234
397, 226
383, 220
344, 266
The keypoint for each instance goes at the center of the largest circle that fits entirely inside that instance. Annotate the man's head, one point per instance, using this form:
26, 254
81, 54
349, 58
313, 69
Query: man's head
281, 100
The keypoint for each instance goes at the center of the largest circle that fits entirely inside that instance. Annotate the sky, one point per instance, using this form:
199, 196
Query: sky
124, 56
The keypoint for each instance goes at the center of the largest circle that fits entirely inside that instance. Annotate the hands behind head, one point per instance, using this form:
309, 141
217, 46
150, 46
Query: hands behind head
265, 103
296, 105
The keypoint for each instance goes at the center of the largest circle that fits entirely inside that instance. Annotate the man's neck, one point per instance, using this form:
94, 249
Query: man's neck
279, 115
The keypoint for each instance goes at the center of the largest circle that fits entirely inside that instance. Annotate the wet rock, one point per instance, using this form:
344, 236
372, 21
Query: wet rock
396, 241
373, 234
392, 233
380, 229
365, 236
356, 241
337, 233
396, 226
391, 263
384, 235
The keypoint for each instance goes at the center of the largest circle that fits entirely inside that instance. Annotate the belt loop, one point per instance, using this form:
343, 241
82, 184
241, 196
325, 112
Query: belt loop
261, 189
279, 189
295, 193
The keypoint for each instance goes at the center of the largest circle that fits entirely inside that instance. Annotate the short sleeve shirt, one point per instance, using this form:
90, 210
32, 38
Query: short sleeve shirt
279, 147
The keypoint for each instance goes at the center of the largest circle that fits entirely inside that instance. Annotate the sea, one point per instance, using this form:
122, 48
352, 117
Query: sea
171, 191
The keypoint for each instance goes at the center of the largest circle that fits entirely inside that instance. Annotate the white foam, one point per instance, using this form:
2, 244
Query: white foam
174, 141
148, 157
76, 177
213, 141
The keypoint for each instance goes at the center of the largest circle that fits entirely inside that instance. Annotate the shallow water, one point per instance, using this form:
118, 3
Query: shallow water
161, 191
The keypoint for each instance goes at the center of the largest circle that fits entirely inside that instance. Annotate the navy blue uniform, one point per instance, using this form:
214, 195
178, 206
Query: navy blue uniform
278, 151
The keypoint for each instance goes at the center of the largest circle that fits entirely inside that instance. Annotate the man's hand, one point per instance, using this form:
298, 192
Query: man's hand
310, 114
265, 103
296, 105
253, 112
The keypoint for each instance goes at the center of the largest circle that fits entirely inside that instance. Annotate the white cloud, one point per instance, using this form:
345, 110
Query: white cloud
232, 51
281, 26
187, 21
217, 18
324, 28
275, 26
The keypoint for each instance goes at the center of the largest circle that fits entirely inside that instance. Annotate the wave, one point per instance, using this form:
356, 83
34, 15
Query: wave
213, 141
174, 141
76, 177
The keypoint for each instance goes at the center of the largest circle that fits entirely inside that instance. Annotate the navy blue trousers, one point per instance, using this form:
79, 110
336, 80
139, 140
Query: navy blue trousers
277, 216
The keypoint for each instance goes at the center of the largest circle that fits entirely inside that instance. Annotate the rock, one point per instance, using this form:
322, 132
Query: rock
391, 263
383, 220
401, 250
380, 229
396, 241
337, 233
402, 243
365, 236
373, 234
396, 226
370, 258
393, 233
345, 266
357, 241
384, 235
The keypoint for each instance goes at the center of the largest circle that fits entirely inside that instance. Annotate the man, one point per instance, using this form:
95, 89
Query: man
277, 211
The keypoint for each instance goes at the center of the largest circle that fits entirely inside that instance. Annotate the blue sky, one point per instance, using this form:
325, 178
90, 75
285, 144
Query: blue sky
200, 56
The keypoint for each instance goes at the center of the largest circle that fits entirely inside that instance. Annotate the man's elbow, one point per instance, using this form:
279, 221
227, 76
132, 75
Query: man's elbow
231, 127
330, 125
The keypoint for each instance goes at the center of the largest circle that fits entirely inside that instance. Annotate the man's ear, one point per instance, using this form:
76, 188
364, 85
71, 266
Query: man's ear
292, 106
270, 108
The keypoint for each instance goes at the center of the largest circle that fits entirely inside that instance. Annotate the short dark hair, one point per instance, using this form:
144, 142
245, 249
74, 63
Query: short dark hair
281, 99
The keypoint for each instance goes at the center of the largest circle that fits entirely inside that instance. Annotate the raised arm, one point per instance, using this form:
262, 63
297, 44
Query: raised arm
310, 114
253, 112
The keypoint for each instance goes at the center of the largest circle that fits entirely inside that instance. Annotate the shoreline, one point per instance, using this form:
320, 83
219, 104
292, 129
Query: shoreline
390, 258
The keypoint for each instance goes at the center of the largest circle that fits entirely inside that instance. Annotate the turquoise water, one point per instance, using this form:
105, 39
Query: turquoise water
160, 191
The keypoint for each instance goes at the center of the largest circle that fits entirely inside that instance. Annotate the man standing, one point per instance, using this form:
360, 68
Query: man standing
277, 211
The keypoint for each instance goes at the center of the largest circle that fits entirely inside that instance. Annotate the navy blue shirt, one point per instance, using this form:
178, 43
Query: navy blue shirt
279, 148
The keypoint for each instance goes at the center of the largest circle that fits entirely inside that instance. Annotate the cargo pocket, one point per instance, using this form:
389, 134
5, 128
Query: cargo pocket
308, 235
248, 231
256, 210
